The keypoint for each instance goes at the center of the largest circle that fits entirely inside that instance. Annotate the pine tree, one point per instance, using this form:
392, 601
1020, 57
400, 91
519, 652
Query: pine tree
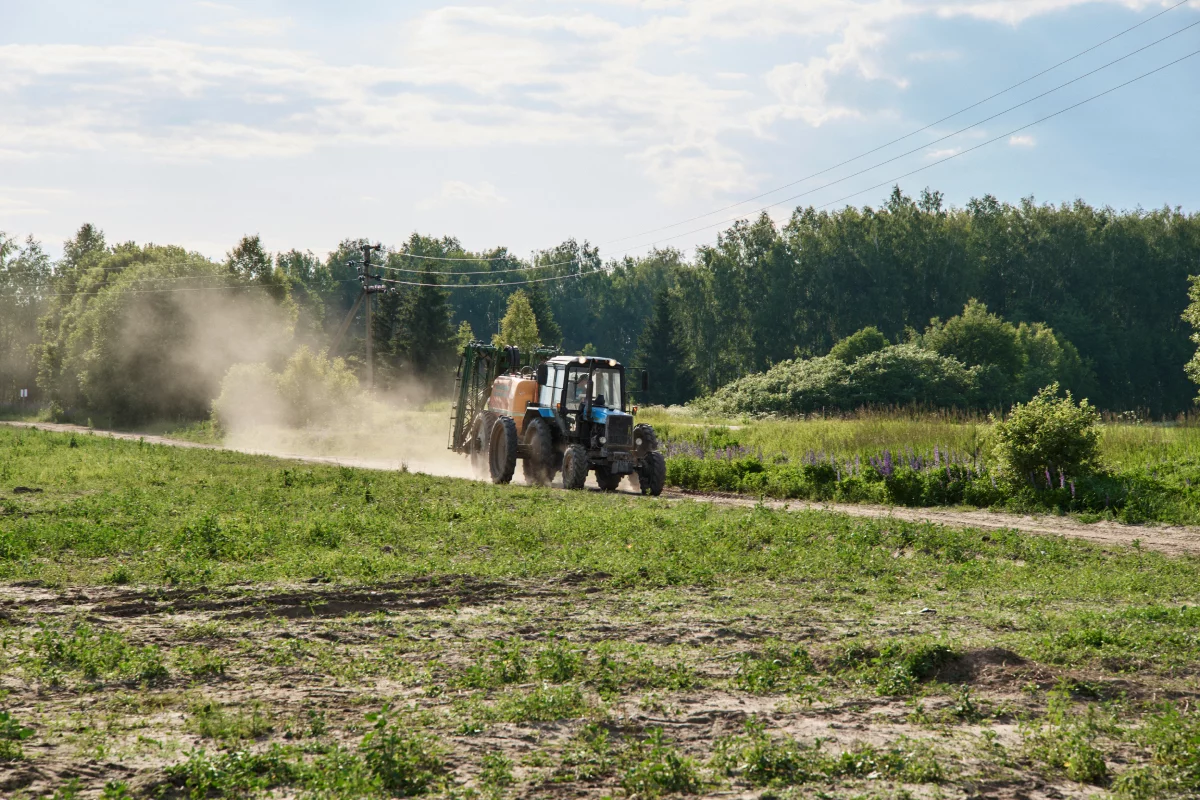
519, 325
425, 334
550, 334
662, 355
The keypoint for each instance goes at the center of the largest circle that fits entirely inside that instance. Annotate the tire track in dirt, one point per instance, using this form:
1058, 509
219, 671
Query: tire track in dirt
1175, 540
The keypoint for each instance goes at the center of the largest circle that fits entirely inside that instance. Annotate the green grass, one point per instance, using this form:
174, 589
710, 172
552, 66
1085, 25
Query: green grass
171, 516
765, 760
1151, 471
572, 624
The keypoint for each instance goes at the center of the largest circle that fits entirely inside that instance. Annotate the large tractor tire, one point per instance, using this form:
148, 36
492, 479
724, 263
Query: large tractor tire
644, 439
653, 474
481, 434
502, 450
608, 481
574, 467
538, 466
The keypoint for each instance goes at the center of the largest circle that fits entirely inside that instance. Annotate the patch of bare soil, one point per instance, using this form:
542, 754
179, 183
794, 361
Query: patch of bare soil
1169, 539
510, 681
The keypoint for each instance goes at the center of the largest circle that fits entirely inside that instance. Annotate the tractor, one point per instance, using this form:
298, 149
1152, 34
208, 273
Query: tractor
553, 413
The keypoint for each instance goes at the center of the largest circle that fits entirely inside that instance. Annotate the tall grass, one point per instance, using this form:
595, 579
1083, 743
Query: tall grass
1123, 444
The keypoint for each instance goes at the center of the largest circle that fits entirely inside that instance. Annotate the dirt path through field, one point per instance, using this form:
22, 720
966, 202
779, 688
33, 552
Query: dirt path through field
1173, 540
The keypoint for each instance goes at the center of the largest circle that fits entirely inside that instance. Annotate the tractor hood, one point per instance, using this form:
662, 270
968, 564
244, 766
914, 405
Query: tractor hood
601, 416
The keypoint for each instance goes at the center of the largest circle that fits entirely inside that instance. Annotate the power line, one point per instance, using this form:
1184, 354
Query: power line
862, 191
601, 271
480, 272
120, 286
961, 152
847, 161
912, 133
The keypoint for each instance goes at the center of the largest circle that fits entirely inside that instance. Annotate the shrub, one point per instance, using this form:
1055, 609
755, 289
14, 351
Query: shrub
1046, 436
898, 375
311, 388
857, 345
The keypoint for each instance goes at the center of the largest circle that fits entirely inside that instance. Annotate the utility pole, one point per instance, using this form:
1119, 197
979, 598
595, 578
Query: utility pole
369, 287
368, 290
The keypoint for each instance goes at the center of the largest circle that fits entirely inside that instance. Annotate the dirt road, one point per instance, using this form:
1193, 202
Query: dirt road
1170, 539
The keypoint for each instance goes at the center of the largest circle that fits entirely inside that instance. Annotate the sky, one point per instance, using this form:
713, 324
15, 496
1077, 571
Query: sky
627, 123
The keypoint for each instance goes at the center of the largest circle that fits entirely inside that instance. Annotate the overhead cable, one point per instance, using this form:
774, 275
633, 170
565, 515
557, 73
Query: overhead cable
911, 133
961, 152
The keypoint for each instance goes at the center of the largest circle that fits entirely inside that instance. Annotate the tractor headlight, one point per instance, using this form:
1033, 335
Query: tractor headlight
638, 441
603, 440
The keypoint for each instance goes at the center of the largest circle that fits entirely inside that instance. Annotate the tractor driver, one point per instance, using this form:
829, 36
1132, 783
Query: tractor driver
583, 390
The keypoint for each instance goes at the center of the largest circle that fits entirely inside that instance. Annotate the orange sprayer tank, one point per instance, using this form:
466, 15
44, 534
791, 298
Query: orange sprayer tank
510, 395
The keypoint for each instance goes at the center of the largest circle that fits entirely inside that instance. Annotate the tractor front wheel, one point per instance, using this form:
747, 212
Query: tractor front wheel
574, 467
502, 450
653, 474
538, 465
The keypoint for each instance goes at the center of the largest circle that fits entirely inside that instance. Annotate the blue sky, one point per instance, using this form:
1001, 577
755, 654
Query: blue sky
527, 122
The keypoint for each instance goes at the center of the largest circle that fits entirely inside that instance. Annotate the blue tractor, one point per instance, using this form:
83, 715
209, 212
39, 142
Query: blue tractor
553, 413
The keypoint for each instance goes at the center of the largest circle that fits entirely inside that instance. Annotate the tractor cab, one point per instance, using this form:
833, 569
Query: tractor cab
582, 389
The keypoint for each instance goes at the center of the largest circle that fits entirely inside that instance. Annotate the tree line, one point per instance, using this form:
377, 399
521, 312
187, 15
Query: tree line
96, 330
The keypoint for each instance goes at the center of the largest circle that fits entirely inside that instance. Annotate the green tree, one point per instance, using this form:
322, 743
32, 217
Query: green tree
425, 333
662, 354
978, 338
126, 347
464, 336
548, 330
1191, 315
25, 278
254, 264
519, 325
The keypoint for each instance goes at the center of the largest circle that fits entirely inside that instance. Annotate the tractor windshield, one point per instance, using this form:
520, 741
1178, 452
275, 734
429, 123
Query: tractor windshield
607, 391
603, 385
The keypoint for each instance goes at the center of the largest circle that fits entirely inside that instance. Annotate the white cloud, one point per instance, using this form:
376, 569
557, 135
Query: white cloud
1022, 141
471, 76
462, 193
934, 56
946, 152
223, 20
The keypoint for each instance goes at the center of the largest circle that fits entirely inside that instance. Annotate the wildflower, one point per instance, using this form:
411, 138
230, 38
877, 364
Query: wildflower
1049, 481
1062, 480
937, 459
1072, 488
887, 463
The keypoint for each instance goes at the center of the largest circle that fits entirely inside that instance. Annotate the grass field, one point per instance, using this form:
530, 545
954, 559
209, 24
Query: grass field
190, 623
1151, 470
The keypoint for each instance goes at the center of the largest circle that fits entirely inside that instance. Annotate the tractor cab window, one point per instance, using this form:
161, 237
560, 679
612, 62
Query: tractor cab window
578, 386
548, 394
607, 388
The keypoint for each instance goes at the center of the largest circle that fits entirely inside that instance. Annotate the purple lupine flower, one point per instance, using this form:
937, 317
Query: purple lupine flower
1072, 488
993, 481
1062, 480
857, 465
1049, 481
887, 463
937, 459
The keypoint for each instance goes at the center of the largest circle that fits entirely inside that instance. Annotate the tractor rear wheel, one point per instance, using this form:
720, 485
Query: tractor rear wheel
538, 465
653, 474
609, 481
502, 450
574, 467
